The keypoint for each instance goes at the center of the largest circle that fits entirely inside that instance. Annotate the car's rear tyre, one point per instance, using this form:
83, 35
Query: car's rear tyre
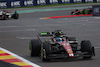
4, 17
34, 47
15, 15
87, 47
90, 12
45, 51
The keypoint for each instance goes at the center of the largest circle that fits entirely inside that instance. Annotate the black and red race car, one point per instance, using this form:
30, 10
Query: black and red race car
8, 14
50, 45
82, 11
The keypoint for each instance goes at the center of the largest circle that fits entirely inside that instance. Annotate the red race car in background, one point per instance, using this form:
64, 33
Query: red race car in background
8, 14
50, 45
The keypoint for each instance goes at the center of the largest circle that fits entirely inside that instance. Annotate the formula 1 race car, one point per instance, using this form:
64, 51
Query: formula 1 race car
8, 14
82, 11
50, 45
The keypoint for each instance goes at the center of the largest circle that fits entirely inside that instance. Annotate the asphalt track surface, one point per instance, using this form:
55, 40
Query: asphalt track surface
16, 34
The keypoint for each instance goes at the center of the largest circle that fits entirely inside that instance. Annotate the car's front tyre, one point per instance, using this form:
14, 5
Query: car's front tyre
45, 51
87, 47
34, 47
72, 13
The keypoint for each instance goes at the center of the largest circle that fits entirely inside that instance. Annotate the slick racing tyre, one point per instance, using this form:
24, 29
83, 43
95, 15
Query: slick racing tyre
87, 47
72, 13
76, 10
34, 47
16, 16
45, 51
4, 17
90, 12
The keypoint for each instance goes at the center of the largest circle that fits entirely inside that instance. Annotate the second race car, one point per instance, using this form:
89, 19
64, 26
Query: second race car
8, 14
50, 45
82, 11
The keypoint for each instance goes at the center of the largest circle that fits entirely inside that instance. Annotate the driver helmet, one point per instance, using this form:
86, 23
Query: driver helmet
59, 39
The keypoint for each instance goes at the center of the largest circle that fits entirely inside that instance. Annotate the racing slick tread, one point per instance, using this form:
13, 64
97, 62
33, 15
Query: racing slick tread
86, 47
34, 47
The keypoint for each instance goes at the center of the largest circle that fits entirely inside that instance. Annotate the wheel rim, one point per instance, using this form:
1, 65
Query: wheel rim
43, 54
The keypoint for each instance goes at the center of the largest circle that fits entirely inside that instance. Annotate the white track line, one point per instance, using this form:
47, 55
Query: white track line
21, 58
30, 37
26, 37
97, 17
19, 30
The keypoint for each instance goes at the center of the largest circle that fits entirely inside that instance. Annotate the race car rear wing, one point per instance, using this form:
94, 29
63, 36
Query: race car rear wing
46, 34
49, 33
